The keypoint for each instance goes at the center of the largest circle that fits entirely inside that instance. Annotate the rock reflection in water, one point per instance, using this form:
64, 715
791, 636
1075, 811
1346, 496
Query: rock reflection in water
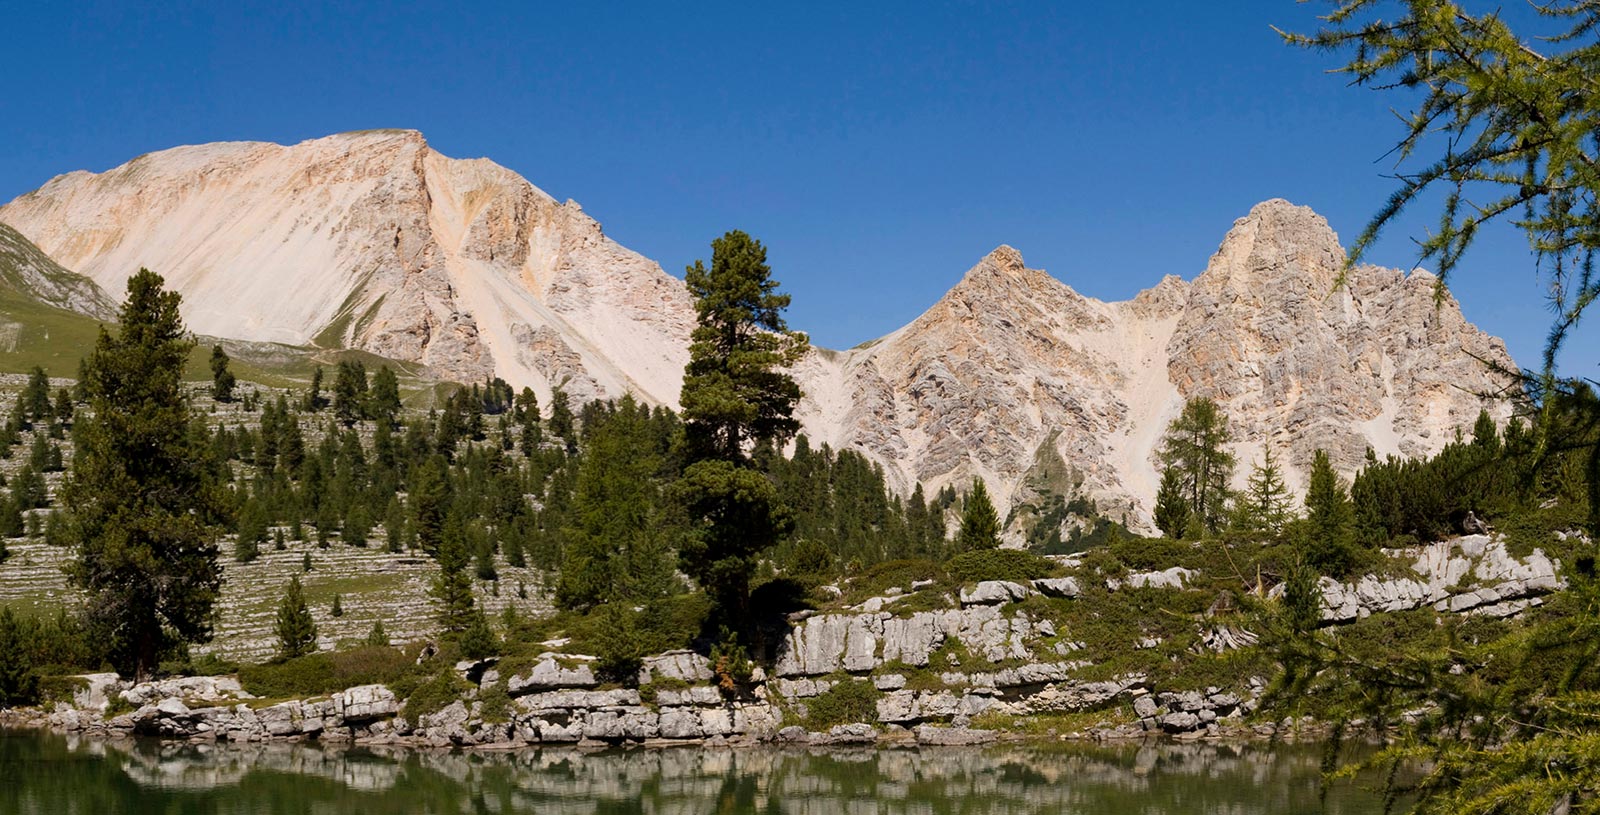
52, 774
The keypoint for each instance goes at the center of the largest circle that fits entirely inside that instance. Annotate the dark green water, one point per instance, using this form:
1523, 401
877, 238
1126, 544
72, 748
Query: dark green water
52, 774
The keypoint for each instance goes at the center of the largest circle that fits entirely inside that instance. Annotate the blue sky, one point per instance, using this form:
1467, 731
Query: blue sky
879, 150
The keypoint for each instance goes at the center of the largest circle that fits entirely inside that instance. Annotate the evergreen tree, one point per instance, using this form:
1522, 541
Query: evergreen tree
337, 609
384, 404
350, 392
19, 683
561, 420
980, 524
314, 400
1330, 521
297, 631
616, 549
1172, 506
736, 392
452, 588
377, 637
33, 405
1264, 506
252, 531
429, 500
222, 379
139, 489
477, 639
1195, 446
357, 525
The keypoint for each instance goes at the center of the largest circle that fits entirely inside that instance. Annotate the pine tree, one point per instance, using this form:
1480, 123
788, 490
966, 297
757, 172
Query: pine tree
477, 638
1172, 507
377, 637
736, 393
314, 400
350, 392
561, 420
222, 379
337, 609
297, 631
19, 683
429, 500
140, 489
452, 588
1330, 520
384, 404
252, 531
33, 405
1195, 446
615, 548
980, 524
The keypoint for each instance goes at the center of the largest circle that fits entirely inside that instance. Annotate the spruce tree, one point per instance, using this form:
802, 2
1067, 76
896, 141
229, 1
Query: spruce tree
337, 609
139, 489
297, 631
350, 392
477, 638
737, 393
33, 405
980, 524
377, 637
1172, 506
222, 379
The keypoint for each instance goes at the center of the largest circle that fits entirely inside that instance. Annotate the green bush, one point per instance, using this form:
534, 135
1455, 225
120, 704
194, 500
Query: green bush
1000, 564
847, 702
901, 574
435, 694
316, 674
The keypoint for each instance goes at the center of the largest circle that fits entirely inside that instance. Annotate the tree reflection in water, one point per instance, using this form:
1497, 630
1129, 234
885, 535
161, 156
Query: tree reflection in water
54, 774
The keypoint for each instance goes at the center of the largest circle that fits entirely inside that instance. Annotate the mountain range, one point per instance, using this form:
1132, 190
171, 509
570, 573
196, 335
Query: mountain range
374, 241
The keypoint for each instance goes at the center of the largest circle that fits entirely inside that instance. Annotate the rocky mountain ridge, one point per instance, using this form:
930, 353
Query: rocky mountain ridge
375, 241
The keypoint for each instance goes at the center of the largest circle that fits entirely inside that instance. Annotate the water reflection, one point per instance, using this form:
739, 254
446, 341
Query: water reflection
52, 774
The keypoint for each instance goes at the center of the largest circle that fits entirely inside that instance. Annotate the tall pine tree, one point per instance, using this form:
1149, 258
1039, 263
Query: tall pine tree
737, 393
140, 488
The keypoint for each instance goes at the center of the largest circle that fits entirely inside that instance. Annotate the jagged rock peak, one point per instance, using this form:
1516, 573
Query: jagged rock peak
1277, 243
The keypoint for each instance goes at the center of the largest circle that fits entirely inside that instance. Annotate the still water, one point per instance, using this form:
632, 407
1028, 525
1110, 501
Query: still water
53, 774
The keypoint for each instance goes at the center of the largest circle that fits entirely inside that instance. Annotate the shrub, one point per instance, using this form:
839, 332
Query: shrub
901, 574
847, 702
1000, 564
321, 673
435, 694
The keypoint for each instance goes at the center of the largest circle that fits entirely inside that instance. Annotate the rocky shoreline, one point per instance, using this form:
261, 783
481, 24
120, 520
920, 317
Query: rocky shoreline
991, 668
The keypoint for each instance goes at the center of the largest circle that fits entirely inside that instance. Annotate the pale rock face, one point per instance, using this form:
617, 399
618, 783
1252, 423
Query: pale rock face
1016, 378
375, 241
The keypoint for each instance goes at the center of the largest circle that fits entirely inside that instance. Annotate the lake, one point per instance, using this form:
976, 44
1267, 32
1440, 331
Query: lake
42, 773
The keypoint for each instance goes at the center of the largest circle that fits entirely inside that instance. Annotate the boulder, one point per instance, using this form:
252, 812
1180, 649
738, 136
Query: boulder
1057, 587
994, 592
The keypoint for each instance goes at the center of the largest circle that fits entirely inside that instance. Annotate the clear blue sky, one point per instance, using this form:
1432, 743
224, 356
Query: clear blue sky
879, 150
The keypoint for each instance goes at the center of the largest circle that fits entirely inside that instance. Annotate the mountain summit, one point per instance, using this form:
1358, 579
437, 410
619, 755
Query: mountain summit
375, 241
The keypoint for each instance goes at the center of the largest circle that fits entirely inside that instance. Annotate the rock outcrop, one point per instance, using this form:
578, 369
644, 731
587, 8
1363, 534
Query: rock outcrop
1474, 574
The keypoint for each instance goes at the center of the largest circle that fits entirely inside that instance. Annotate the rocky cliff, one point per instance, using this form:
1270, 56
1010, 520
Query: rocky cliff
1013, 375
375, 241
29, 273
